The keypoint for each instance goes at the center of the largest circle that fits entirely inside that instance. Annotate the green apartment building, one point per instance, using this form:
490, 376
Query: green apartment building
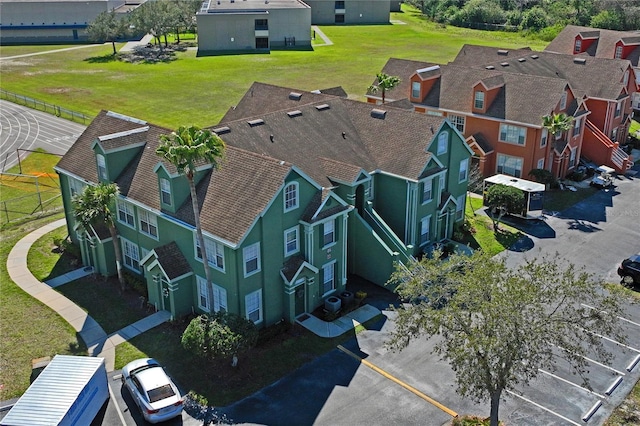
313, 188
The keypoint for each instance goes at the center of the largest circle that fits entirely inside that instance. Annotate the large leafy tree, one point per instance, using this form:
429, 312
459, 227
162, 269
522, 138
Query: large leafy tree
92, 207
556, 124
384, 82
219, 335
107, 27
185, 149
186, 15
157, 18
502, 200
497, 325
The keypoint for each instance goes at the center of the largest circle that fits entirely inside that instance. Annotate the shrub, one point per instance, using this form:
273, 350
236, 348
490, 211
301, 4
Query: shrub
137, 284
542, 176
576, 176
361, 294
267, 334
549, 33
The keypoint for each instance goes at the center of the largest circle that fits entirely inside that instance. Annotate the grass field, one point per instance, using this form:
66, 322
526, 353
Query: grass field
29, 328
199, 90
30, 190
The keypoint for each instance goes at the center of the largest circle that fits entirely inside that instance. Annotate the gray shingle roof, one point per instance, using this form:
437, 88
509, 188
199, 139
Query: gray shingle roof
337, 129
172, 261
585, 78
230, 197
604, 47
404, 69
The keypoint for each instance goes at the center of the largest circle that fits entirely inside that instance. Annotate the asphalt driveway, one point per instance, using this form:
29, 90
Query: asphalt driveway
337, 389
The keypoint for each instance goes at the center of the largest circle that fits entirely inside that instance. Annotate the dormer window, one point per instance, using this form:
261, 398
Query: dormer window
618, 54
625, 78
291, 196
618, 108
102, 167
443, 141
577, 48
415, 89
478, 101
165, 191
563, 101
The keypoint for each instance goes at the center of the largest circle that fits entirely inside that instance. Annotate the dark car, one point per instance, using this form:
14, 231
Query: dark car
629, 270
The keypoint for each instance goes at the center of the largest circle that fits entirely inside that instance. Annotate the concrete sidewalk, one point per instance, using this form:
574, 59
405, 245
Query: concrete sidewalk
340, 325
96, 339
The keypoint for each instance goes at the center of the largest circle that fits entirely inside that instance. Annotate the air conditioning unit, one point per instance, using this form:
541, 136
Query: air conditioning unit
332, 304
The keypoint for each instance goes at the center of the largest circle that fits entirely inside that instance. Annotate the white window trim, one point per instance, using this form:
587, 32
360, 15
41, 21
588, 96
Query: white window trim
297, 196
544, 137
541, 164
133, 246
324, 232
458, 119
213, 248
563, 101
478, 99
443, 142
466, 170
102, 167
331, 264
576, 127
427, 220
244, 259
128, 209
413, 89
219, 296
246, 305
618, 110
524, 141
618, 52
577, 47
164, 190
509, 157
424, 186
461, 200
295, 229
152, 220
202, 285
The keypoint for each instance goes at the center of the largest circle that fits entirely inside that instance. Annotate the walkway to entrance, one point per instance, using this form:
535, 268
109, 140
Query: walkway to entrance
340, 325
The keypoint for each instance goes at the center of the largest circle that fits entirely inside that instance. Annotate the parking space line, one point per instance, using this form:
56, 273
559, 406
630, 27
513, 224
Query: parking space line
543, 408
569, 382
593, 361
399, 382
115, 402
619, 317
631, 348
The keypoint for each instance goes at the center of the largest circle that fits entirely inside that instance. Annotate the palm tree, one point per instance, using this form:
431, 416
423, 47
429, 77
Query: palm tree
92, 207
557, 123
184, 148
385, 82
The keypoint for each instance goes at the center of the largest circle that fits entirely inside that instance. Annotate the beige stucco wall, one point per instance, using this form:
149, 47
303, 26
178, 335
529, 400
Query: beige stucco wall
236, 31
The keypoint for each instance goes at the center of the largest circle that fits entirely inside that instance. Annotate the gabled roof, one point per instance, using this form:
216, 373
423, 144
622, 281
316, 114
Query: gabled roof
604, 47
336, 129
259, 100
170, 260
478, 56
231, 197
404, 69
587, 78
520, 98
122, 140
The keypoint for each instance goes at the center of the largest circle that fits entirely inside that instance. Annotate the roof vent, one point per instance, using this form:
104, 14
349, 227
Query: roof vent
378, 113
295, 96
504, 64
221, 130
534, 56
256, 122
294, 113
503, 52
427, 69
579, 60
322, 107
490, 67
522, 59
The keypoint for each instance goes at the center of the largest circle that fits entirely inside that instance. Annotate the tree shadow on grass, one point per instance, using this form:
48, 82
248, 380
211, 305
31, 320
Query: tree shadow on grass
104, 59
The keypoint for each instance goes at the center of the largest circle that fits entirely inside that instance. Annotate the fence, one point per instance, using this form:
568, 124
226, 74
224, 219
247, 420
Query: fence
46, 107
29, 196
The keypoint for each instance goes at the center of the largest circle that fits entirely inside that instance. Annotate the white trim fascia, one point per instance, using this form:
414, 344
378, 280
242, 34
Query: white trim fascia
467, 114
449, 198
148, 256
334, 196
382, 172
455, 129
73, 175
303, 265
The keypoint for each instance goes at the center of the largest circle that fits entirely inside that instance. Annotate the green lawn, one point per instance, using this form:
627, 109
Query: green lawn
192, 90
19, 196
29, 328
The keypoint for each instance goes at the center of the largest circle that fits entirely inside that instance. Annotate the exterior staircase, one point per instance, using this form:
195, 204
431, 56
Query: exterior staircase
598, 148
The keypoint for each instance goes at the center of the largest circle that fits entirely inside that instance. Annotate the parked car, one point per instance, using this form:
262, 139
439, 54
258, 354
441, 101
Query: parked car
155, 394
629, 270
603, 177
